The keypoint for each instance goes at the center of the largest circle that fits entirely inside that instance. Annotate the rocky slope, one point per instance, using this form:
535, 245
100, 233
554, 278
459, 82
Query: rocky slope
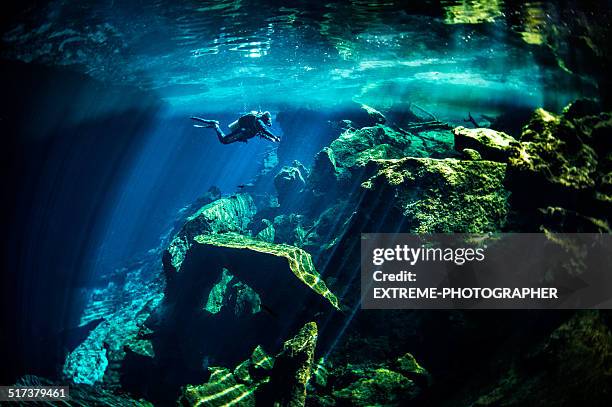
245, 272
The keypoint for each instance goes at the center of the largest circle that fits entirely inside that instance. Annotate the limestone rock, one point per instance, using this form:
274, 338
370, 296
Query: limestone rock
377, 386
231, 214
261, 379
353, 148
470, 154
299, 262
293, 368
438, 196
226, 387
289, 182
492, 145
563, 161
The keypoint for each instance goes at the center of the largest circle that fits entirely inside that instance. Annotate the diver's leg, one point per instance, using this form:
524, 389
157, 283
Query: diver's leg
230, 138
209, 123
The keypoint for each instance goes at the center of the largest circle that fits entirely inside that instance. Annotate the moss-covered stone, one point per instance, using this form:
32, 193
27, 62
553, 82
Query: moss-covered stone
216, 297
446, 195
298, 260
573, 363
563, 161
293, 368
232, 214
491, 144
261, 379
377, 386
470, 154
356, 147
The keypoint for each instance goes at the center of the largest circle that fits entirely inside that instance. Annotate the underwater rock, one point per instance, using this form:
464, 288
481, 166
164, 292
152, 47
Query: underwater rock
381, 384
293, 368
492, 145
290, 182
289, 229
575, 360
261, 379
226, 387
374, 116
324, 172
470, 154
231, 214
439, 196
268, 290
381, 387
563, 161
268, 233
98, 358
356, 148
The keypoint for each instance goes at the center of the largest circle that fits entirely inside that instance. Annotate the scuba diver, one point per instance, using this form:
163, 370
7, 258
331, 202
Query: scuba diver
246, 127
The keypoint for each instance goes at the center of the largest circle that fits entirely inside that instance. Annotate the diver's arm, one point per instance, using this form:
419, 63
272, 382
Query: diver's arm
265, 133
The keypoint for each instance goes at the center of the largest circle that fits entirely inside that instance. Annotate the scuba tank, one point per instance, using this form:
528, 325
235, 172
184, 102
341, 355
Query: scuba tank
245, 121
233, 126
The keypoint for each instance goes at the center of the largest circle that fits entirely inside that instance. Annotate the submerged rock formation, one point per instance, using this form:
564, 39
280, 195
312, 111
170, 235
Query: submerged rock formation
231, 214
490, 144
262, 379
436, 196
564, 161
246, 272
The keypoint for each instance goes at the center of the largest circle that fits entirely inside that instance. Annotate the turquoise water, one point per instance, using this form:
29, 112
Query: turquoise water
220, 55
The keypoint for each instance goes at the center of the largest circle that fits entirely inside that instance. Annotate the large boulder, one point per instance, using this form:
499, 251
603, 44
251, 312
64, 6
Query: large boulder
563, 161
439, 196
491, 144
290, 182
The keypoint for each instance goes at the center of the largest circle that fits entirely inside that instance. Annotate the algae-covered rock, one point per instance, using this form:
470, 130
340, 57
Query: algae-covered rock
392, 383
226, 387
446, 195
563, 161
377, 386
232, 214
261, 379
573, 362
552, 155
300, 263
470, 154
492, 145
293, 368
357, 147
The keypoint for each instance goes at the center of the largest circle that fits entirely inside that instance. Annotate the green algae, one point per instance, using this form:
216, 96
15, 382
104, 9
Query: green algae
446, 195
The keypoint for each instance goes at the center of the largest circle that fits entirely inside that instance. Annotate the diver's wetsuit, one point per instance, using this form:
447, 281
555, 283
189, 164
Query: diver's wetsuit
249, 126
